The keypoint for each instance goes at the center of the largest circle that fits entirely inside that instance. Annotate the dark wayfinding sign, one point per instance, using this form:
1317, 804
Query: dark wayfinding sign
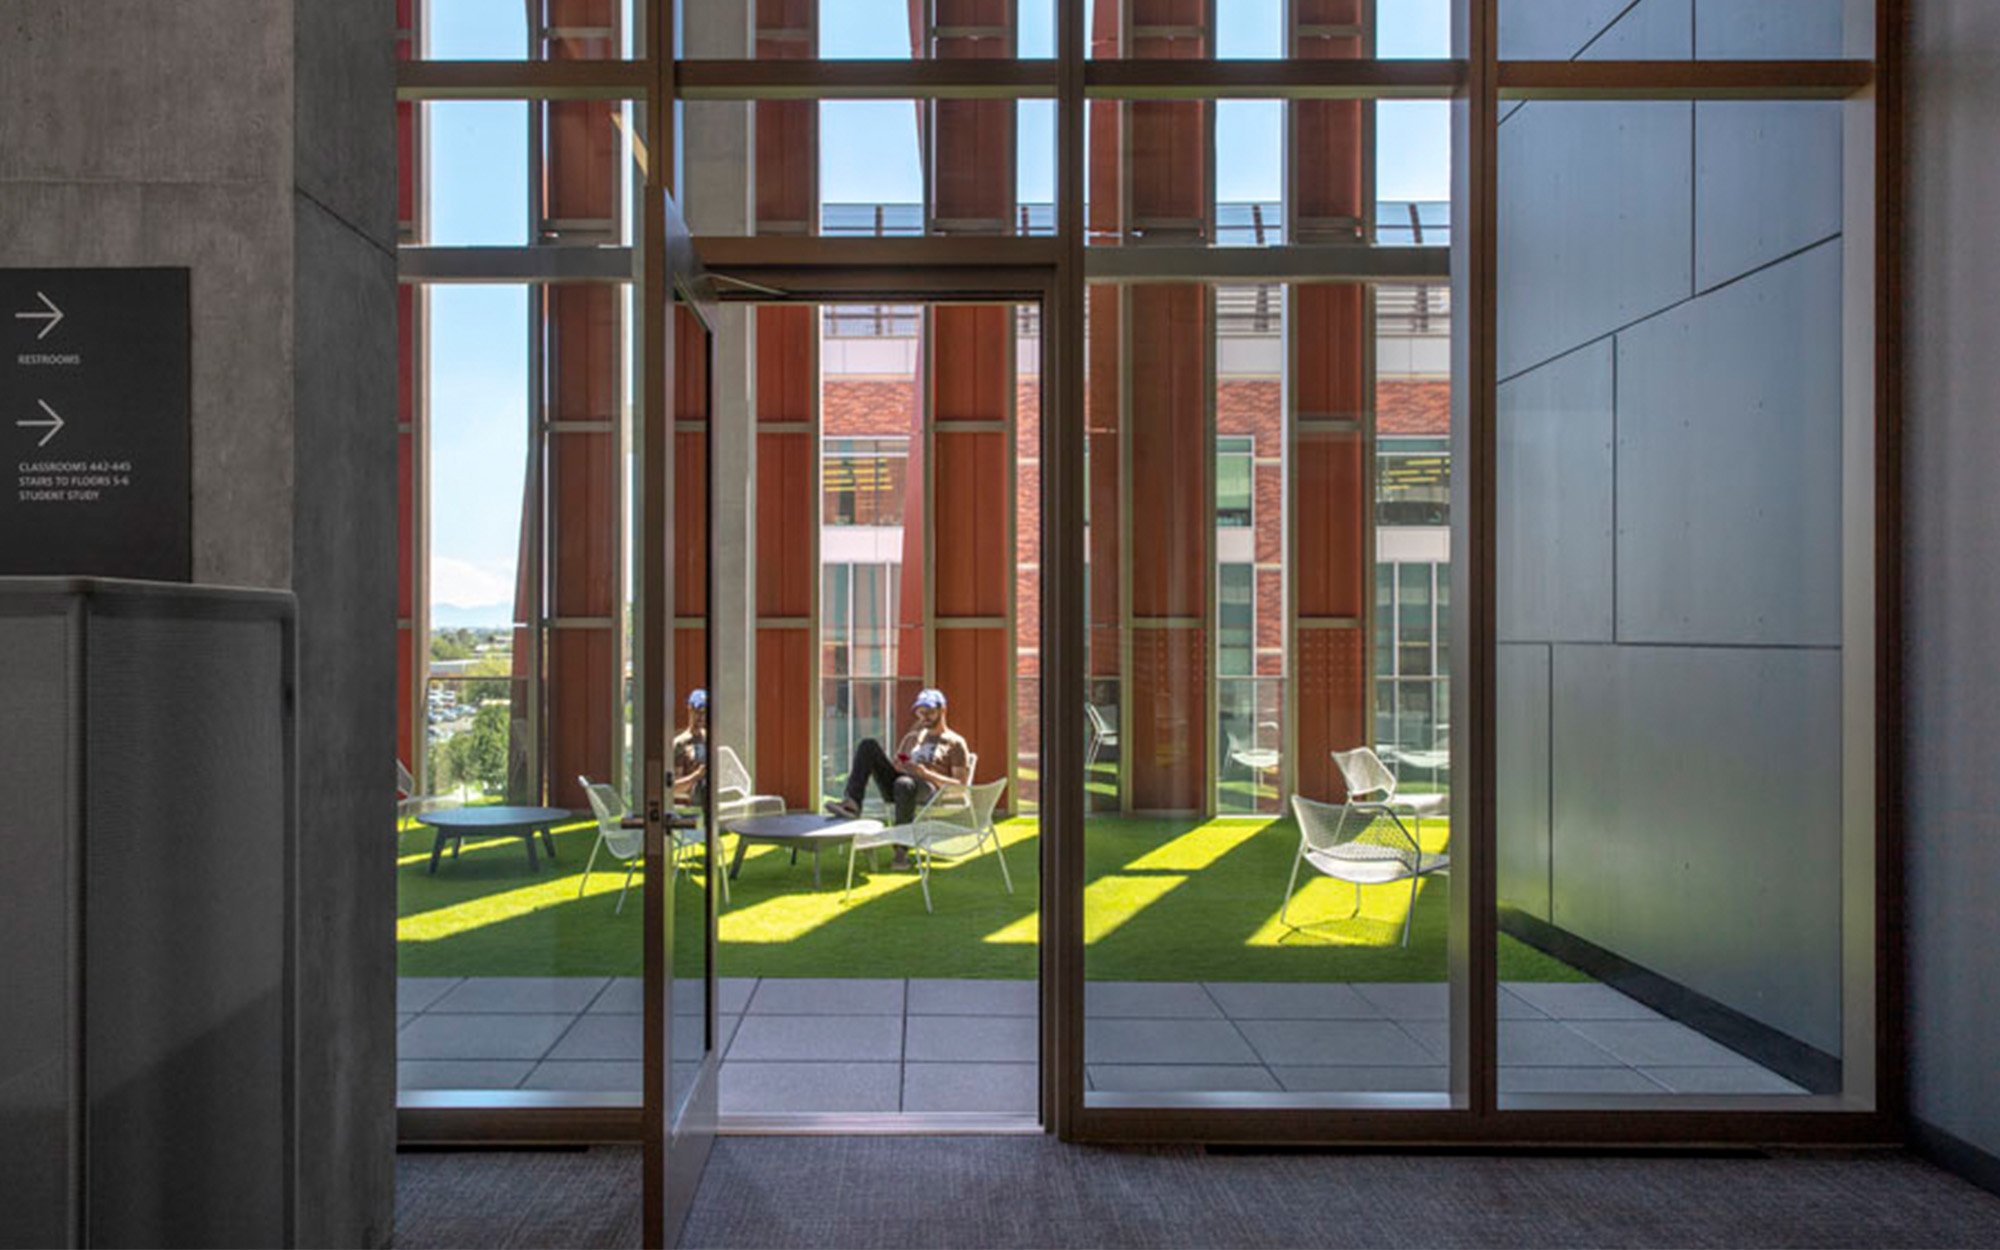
95, 411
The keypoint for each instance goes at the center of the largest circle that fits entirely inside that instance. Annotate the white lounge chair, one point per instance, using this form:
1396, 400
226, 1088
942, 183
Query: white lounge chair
959, 826
628, 845
1103, 733
1346, 841
1259, 760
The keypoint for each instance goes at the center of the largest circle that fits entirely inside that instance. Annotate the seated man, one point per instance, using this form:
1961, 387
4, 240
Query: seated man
690, 752
929, 756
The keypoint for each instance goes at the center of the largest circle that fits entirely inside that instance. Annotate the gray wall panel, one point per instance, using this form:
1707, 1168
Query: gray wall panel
1777, 29
1554, 512
1651, 30
38, 847
1521, 747
1729, 414
1768, 182
1952, 579
1553, 30
1696, 821
1595, 222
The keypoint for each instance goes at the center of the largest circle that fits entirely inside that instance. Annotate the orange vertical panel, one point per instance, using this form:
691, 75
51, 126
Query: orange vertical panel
690, 661
786, 509
406, 672
1329, 558
1168, 694
970, 519
1104, 554
784, 668
1170, 448
690, 504
1332, 676
579, 701
972, 667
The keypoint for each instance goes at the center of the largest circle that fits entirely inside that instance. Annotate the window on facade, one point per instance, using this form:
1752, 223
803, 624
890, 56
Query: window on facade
863, 481
1234, 494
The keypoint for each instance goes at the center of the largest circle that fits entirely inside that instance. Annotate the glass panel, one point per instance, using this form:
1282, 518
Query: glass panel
1251, 173
1562, 30
1256, 29
1232, 508
507, 173
872, 30
522, 415
1671, 547
476, 175
506, 30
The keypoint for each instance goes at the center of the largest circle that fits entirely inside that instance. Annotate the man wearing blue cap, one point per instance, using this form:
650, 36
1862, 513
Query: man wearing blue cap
690, 752
929, 756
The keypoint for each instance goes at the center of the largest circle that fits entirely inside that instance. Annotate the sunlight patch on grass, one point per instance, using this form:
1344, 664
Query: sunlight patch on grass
1108, 903
1197, 848
1322, 914
555, 891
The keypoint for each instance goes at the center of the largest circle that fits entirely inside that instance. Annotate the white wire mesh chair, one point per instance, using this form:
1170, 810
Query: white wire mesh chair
1102, 733
736, 794
1352, 850
409, 803
953, 832
1259, 760
625, 845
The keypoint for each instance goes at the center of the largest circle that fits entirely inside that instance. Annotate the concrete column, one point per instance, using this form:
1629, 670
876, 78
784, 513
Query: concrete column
717, 196
254, 145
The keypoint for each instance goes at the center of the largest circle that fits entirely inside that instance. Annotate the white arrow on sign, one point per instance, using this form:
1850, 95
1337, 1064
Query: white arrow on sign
52, 315
54, 423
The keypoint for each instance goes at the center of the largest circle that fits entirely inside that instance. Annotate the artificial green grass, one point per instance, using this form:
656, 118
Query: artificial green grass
1166, 900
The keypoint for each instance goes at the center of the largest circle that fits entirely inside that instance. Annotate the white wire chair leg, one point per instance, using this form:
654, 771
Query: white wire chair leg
717, 868
1001, 855
630, 868
1293, 884
924, 878
849, 889
589, 863
1410, 913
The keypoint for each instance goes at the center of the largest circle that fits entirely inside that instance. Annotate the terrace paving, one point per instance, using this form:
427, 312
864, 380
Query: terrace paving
798, 1045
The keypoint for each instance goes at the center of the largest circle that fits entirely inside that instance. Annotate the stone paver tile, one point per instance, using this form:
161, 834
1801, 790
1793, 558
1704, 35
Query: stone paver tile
1181, 1078
461, 1073
1149, 1000
1357, 1079
1255, 1000
403, 1018
594, 1076
1408, 1000
1746, 1079
1511, 1006
1549, 1044
437, 1035
1619, 1080
1334, 1043
805, 1088
522, 995
1580, 1000
414, 994
974, 998
604, 1037
816, 996
987, 1039
688, 1039
850, 1039
1164, 1041
1433, 1035
991, 1088
1656, 1044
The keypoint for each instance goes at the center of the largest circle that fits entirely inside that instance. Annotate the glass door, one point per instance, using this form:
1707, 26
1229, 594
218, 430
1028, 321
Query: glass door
681, 1058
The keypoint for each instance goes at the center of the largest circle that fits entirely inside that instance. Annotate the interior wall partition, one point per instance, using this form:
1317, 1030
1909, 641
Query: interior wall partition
1135, 151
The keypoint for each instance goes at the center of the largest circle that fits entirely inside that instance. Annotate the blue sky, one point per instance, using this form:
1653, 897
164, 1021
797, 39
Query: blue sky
479, 192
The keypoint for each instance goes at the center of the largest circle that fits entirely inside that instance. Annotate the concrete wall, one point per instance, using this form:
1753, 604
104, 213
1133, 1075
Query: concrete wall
251, 141
1669, 519
1951, 579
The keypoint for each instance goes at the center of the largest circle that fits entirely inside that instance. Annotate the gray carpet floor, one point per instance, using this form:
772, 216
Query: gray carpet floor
1028, 1191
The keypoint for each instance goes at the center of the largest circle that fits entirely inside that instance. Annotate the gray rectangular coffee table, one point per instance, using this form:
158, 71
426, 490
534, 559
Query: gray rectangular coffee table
801, 831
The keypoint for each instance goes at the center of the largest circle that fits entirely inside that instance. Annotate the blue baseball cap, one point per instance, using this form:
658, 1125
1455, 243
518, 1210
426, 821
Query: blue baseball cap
929, 697
698, 698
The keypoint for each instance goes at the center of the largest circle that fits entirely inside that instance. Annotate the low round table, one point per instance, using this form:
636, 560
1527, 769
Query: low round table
801, 831
455, 824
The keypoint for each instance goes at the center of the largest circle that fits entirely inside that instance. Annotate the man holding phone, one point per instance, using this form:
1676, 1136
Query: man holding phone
930, 755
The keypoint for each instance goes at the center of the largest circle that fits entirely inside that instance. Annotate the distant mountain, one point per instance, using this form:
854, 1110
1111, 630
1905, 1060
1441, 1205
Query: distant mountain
479, 616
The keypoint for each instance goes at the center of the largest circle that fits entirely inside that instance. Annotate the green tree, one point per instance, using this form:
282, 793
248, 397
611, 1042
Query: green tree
452, 644
477, 757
